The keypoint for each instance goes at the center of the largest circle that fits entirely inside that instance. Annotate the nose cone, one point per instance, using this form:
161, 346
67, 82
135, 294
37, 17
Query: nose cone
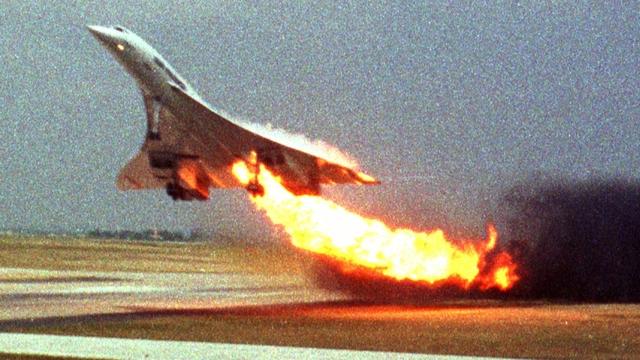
101, 33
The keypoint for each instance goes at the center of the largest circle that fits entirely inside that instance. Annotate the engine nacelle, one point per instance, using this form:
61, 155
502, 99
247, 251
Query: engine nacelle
186, 177
163, 160
298, 176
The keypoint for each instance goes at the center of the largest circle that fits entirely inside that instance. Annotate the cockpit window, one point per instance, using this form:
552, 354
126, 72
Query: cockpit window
120, 28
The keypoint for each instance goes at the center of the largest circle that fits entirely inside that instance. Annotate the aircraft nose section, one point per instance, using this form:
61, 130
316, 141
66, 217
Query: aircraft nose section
99, 32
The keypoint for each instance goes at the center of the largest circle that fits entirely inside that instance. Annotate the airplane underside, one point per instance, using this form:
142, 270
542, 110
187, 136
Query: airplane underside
187, 179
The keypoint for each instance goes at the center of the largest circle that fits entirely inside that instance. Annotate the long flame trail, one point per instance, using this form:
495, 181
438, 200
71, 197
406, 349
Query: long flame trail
322, 226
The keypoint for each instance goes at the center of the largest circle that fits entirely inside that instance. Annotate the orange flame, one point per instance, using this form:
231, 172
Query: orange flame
322, 226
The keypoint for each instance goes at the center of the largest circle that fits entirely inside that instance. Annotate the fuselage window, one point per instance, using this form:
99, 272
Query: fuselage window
170, 74
175, 79
159, 63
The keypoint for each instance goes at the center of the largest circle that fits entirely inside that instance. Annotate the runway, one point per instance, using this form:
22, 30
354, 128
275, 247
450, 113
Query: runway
30, 294
34, 296
50, 296
80, 294
112, 348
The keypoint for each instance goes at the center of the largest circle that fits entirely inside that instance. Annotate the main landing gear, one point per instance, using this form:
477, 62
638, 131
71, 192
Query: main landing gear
253, 187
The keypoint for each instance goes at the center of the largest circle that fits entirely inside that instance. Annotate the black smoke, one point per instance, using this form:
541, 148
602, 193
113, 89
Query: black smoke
575, 241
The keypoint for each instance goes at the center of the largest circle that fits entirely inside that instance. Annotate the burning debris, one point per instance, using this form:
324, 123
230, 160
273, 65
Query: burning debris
368, 248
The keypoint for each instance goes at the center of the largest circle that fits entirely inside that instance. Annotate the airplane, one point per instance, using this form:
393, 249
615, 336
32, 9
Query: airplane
190, 147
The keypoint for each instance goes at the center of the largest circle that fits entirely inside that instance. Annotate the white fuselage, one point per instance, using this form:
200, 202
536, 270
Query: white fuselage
151, 71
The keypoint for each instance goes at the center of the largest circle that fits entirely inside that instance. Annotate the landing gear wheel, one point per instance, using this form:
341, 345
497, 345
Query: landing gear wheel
255, 189
173, 191
153, 135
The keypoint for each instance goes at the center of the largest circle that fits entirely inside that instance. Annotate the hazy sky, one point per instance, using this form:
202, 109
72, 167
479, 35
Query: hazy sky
449, 105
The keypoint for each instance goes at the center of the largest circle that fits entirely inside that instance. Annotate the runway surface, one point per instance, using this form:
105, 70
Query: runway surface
51, 296
33, 295
242, 302
113, 348
30, 294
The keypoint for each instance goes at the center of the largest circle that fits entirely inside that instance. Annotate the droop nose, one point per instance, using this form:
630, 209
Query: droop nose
99, 32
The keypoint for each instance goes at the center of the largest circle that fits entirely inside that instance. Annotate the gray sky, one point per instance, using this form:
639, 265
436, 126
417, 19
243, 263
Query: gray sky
448, 105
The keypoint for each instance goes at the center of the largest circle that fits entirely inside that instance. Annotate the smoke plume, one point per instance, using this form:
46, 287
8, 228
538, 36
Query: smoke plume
576, 241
